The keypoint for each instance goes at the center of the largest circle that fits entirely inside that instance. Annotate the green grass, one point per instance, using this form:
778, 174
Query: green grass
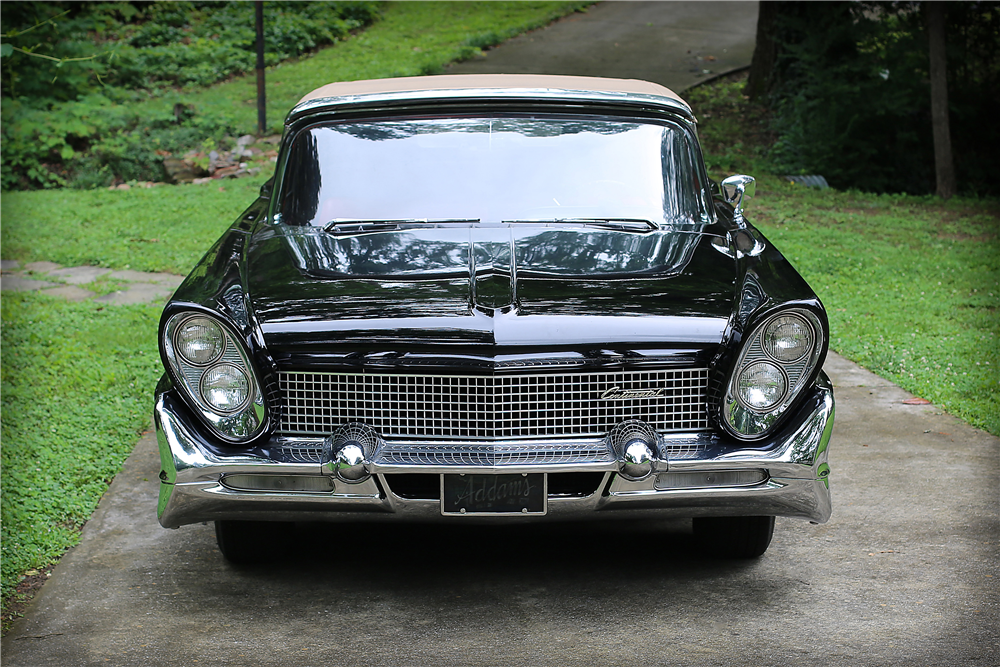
911, 284
76, 384
165, 228
412, 38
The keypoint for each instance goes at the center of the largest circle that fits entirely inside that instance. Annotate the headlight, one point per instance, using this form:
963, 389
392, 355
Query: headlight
211, 367
761, 385
776, 361
200, 340
225, 387
787, 338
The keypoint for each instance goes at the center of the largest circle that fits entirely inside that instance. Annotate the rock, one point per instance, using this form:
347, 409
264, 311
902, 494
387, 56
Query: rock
19, 284
245, 140
182, 170
226, 171
42, 267
79, 275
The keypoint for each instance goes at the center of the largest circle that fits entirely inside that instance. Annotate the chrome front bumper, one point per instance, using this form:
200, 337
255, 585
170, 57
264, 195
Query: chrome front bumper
794, 465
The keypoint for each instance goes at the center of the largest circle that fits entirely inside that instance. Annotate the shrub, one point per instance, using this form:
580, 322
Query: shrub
81, 131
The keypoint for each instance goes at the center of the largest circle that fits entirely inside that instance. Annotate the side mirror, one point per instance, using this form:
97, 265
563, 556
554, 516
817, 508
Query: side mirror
736, 189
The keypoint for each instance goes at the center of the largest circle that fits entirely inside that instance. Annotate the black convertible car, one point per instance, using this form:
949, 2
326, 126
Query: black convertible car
493, 298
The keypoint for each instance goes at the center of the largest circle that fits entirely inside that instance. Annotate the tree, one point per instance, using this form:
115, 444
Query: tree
765, 50
944, 165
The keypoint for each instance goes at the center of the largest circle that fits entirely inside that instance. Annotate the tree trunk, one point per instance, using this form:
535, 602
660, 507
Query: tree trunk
944, 165
764, 52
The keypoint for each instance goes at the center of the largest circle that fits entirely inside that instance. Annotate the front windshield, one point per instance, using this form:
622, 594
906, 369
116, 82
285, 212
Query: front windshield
492, 169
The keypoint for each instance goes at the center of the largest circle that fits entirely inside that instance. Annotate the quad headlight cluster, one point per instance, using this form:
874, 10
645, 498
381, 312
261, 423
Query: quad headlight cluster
213, 369
777, 360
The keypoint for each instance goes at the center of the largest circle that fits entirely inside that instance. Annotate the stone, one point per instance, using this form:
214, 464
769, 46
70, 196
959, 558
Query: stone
78, 275
182, 171
20, 284
41, 267
9, 265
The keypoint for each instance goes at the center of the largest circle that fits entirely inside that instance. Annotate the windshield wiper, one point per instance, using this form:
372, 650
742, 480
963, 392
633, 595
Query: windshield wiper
621, 224
356, 226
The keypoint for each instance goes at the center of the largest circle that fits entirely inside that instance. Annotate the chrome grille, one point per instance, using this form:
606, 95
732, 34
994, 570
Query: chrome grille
492, 407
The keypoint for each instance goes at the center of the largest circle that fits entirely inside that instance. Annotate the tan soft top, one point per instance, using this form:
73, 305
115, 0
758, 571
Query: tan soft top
488, 81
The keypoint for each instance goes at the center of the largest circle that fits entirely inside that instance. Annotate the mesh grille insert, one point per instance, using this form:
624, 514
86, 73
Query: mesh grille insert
463, 407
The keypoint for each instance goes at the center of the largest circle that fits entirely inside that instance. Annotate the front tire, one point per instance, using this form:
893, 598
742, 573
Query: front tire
248, 542
734, 536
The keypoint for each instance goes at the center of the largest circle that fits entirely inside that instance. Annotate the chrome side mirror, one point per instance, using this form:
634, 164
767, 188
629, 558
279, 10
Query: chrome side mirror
736, 189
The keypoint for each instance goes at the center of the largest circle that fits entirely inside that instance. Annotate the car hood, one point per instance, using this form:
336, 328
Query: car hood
518, 284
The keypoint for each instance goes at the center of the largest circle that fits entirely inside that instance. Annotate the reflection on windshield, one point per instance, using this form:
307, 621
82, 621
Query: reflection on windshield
492, 169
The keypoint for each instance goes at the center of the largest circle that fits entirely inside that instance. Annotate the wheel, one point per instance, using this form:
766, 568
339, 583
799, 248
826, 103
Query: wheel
247, 542
734, 536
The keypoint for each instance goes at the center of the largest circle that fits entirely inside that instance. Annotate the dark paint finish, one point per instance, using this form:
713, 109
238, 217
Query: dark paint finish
495, 297
311, 289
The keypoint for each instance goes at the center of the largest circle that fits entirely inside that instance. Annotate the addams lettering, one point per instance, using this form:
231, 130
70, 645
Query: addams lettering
485, 491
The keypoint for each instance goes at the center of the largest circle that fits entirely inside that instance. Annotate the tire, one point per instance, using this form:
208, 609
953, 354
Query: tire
248, 542
734, 536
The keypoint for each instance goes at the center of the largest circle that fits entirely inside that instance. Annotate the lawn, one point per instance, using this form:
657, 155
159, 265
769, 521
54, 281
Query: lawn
911, 283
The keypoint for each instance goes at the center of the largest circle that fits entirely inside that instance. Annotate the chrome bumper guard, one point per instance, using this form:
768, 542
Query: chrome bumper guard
792, 478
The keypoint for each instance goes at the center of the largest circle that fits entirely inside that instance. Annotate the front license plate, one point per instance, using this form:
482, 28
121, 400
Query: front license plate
493, 494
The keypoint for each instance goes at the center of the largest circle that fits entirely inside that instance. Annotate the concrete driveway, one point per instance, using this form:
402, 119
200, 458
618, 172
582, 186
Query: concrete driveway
905, 573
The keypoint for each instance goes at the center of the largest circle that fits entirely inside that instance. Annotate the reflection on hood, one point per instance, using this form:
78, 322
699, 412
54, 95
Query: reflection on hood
440, 252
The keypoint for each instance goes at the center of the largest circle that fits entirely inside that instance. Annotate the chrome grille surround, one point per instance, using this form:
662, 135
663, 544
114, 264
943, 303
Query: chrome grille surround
493, 407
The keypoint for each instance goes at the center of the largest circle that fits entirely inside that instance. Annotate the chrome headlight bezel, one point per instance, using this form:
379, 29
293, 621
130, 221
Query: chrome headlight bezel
750, 422
239, 423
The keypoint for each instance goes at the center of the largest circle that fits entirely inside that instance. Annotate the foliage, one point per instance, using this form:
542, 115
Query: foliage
76, 382
48, 145
852, 101
160, 43
734, 132
105, 57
